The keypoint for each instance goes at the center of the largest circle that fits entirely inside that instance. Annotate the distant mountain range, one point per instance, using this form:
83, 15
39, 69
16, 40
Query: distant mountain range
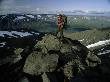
45, 11
85, 12
92, 12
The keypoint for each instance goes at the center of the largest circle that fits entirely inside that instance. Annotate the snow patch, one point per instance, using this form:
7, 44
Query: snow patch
2, 44
35, 33
49, 16
81, 40
105, 42
102, 49
2, 33
31, 16
3, 17
21, 34
20, 17
104, 52
39, 16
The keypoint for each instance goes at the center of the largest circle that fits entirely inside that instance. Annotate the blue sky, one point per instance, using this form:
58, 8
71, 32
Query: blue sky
68, 4
65, 5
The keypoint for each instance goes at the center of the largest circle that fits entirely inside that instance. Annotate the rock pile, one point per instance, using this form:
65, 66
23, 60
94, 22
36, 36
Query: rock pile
59, 60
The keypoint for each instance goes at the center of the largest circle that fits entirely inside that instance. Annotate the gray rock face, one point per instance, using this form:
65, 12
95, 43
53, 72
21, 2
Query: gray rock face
49, 42
92, 60
52, 54
38, 63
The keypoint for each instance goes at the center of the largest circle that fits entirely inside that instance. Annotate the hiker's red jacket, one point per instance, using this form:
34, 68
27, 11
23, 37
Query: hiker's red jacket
60, 22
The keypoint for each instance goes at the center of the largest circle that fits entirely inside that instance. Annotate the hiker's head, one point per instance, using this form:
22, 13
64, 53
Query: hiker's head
60, 15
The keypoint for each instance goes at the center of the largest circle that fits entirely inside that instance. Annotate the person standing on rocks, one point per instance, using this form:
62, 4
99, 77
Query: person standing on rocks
62, 21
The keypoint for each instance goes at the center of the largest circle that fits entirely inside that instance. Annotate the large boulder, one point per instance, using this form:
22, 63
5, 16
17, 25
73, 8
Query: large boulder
92, 60
37, 63
49, 42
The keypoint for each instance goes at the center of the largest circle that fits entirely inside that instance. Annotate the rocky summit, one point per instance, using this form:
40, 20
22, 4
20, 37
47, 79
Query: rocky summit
53, 59
59, 60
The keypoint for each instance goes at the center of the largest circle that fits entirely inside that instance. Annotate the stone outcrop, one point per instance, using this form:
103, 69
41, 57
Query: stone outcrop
52, 56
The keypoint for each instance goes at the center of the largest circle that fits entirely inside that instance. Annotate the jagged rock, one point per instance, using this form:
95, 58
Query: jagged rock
15, 56
24, 79
37, 63
92, 60
45, 78
65, 48
52, 54
49, 42
72, 68
18, 51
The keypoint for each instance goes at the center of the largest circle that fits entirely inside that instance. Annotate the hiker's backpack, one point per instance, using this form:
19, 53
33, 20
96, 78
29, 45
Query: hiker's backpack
65, 21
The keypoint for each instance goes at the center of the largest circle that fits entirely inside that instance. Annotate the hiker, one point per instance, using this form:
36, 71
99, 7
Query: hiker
62, 21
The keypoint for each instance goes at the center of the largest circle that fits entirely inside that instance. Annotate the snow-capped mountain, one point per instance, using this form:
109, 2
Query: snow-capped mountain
14, 33
87, 12
11, 35
17, 17
100, 43
102, 47
31, 16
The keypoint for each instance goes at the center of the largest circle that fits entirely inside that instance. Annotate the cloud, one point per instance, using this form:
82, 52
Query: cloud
7, 3
11, 6
7, 6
